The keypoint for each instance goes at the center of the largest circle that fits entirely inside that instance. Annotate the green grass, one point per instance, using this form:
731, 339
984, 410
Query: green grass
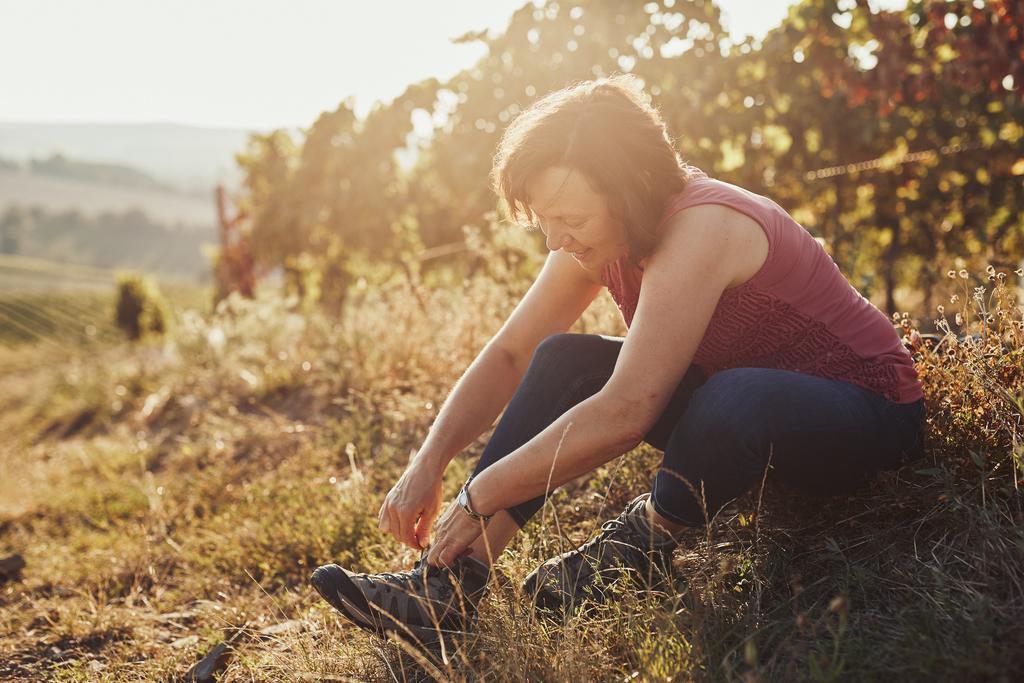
58, 318
68, 306
24, 273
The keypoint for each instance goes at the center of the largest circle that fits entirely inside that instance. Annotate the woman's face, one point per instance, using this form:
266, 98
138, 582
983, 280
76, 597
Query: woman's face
575, 218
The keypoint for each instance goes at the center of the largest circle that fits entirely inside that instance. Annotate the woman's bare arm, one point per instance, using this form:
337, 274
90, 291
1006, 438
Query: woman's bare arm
560, 294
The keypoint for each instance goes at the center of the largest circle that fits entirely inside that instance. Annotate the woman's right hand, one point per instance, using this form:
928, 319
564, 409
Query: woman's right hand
412, 505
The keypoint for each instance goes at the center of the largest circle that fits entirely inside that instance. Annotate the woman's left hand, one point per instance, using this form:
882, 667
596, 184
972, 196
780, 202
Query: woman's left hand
454, 532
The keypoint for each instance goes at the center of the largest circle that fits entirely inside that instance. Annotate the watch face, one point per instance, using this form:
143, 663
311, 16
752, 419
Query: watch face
463, 501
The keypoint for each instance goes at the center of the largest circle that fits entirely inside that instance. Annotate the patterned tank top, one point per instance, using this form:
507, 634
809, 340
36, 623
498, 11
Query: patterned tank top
798, 312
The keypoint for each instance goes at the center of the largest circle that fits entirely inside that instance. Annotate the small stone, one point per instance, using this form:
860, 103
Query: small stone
283, 627
171, 616
185, 642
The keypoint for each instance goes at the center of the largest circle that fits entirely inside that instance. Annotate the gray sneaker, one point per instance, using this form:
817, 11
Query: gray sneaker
422, 606
625, 551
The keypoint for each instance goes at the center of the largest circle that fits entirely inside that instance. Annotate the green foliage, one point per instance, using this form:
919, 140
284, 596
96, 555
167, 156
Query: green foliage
974, 378
141, 310
843, 115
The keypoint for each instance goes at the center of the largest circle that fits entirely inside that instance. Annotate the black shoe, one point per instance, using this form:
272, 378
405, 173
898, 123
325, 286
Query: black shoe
422, 606
625, 552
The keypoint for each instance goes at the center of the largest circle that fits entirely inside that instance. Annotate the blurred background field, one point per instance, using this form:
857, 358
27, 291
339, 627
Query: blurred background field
308, 288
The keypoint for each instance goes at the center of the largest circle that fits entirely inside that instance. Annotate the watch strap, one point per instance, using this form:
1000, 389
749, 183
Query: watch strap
467, 504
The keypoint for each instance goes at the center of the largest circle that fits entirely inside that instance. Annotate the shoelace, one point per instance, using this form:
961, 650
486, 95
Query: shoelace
412, 582
630, 548
608, 529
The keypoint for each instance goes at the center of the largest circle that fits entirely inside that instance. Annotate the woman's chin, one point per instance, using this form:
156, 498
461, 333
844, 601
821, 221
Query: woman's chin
582, 256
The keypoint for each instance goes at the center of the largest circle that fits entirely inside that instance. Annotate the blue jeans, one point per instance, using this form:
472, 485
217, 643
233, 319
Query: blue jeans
822, 436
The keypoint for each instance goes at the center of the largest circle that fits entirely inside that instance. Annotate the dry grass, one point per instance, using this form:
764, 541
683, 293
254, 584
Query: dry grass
167, 498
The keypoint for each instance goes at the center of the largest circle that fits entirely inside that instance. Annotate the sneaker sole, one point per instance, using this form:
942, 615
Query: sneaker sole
334, 585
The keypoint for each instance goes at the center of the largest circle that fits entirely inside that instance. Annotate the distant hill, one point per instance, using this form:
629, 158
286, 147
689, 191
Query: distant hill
53, 193
95, 172
129, 239
136, 196
187, 157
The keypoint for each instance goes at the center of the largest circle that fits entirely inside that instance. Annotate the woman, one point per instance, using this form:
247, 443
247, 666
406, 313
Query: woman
747, 349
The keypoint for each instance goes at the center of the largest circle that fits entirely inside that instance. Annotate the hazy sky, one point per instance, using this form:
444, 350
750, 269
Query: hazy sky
244, 63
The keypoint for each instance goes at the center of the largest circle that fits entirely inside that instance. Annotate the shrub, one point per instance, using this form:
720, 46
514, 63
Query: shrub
141, 309
973, 378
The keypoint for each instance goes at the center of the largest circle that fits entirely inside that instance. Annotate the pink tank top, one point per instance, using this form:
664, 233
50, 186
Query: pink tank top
798, 312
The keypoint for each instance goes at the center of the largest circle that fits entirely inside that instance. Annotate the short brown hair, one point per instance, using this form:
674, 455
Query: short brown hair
606, 130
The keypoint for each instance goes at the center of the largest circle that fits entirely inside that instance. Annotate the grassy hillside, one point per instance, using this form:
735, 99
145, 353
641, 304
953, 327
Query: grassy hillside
26, 274
66, 307
53, 305
58, 318
170, 497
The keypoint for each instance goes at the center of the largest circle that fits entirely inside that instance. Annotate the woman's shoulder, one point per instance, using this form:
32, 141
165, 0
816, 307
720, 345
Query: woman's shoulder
740, 242
702, 189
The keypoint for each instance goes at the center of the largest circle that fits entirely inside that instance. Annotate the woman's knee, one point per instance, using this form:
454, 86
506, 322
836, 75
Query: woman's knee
558, 345
569, 354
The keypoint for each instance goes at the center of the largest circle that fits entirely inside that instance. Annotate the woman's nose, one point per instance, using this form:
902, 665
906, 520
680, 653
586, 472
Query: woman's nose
556, 241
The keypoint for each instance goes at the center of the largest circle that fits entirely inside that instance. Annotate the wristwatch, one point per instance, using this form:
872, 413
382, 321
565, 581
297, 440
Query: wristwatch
467, 505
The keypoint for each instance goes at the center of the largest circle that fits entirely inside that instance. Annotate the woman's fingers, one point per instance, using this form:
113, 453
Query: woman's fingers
444, 555
411, 507
432, 554
405, 529
405, 526
423, 524
394, 520
395, 523
448, 555
454, 535
441, 538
